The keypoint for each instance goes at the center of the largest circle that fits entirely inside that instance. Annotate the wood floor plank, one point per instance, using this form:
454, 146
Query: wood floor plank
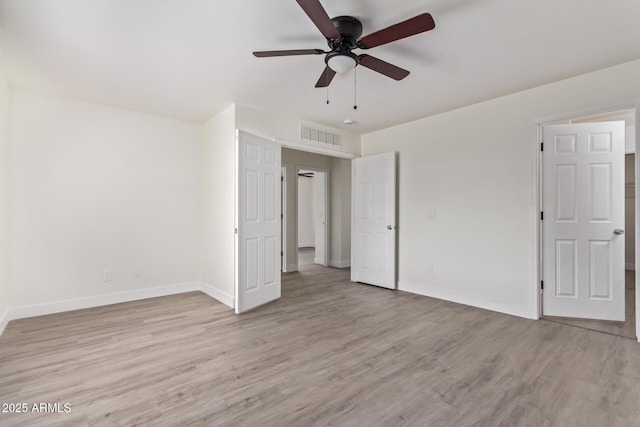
329, 353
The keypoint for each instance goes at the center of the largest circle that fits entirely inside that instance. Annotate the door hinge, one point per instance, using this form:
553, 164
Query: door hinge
281, 178
236, 231
281, 253
541, 284
542, 146
541, 216
281, 216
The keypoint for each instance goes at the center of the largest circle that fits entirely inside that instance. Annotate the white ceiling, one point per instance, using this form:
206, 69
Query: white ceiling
188, 59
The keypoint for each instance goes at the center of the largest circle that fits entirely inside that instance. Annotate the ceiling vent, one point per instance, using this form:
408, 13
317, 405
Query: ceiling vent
319, 136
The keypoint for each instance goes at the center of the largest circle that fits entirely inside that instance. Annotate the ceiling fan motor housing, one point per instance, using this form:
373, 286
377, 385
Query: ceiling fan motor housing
350, 30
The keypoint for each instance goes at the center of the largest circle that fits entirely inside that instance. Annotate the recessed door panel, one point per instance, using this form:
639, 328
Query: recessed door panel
566, 209
252, 263
600, 142
270, 197
251, 195
600, 269
365, 201
269, 156
565, 144
380, 196
364, 251
270, 244
566, 268
600, 199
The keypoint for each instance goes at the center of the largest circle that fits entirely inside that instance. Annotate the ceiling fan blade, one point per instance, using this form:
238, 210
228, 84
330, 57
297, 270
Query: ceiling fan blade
318, 15
269, 53
383, 67
326, 77
416, 25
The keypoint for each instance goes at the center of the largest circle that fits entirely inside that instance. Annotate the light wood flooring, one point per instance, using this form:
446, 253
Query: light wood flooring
623, 329
328, 353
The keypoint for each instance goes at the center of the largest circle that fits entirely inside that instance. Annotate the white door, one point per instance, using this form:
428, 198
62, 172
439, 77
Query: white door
374, 220
258, 222
583, 206
320, 217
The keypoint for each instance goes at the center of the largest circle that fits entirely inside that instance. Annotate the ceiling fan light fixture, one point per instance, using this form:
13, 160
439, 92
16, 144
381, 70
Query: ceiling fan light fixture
341, 62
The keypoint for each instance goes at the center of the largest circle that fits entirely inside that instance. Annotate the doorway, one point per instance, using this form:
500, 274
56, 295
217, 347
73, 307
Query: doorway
621, 271
324, 209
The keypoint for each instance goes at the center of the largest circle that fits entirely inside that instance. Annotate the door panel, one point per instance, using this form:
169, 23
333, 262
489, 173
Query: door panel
583, 190
374, 221
258, 222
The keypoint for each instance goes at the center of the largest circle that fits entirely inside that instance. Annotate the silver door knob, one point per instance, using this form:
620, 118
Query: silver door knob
618, 231
389, 227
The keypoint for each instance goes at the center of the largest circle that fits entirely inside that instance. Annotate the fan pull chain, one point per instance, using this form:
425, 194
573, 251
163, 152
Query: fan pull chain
355, 88
326, 76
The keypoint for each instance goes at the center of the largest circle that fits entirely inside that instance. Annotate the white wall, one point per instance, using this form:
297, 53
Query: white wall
475, 167
219, 204
96, 188
4, 198
306, 222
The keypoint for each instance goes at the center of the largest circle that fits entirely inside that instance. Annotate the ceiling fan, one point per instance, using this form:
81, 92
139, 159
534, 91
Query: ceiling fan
343, 36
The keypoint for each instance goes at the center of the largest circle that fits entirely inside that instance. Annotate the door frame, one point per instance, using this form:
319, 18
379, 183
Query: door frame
536, 229
283, 216
327, 210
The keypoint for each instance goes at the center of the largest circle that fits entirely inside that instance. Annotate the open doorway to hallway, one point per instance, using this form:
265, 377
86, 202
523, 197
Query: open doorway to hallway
316, 210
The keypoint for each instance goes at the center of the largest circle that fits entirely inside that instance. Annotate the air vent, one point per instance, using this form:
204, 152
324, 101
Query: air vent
319, 136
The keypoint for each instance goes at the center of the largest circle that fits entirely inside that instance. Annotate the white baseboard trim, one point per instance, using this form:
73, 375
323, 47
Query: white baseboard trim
291, 268
100, 300
306, 245
460, 298
108, 299
340, 263
217, 294
4, 321
629, 266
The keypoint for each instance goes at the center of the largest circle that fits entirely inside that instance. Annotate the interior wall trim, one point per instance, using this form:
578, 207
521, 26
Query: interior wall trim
471, 300
24, 312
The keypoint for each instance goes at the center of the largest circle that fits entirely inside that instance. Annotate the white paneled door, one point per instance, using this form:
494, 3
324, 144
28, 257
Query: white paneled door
583, 224
373, 243
258, 209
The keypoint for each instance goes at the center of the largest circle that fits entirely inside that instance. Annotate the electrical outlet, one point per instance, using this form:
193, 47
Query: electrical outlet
106, 275
137, 271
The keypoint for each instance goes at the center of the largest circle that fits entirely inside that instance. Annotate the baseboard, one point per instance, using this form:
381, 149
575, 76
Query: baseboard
108, 299
100, 300
629, 266
340, 263
292, 267
306, 245
4, 321
461, 298
218, 295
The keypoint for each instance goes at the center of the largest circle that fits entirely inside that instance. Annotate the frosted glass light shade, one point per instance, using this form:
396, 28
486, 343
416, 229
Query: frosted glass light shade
341, 63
